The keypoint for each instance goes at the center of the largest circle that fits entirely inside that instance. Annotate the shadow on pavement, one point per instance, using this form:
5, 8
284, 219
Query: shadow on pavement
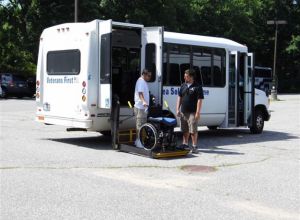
219, 141
211, 142
98, 143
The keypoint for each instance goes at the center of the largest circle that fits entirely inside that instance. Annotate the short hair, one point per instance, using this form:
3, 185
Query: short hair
190, 72
146, 71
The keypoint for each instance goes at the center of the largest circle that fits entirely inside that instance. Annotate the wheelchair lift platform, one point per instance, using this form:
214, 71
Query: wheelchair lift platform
126, 139
156, 137
156, 154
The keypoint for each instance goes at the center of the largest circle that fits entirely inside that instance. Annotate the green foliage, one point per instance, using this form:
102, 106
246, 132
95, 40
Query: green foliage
16, 41
294, 46
245, 21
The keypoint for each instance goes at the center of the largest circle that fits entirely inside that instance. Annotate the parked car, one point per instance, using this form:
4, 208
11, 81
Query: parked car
14, 85
31, 82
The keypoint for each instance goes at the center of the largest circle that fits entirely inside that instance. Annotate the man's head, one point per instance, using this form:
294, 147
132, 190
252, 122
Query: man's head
146, 75
189, 75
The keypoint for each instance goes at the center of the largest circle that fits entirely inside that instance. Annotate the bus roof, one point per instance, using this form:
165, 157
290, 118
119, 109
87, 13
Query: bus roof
179, 38
123, 24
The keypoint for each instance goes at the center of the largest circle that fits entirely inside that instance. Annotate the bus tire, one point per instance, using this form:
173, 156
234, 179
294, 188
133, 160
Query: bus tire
106, 133
258, 126
212, 127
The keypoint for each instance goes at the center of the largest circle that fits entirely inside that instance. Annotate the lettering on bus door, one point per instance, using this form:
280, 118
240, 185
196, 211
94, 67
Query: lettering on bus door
233, 88
105, 87
152, 41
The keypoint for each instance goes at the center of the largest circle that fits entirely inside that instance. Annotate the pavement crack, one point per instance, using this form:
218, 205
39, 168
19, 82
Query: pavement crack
239, 164
104, 167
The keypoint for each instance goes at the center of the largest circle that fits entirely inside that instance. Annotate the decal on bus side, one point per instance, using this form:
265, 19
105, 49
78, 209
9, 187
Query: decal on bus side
62, 80
175, 91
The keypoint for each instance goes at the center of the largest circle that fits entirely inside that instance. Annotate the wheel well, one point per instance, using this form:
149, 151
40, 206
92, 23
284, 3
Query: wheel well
263, 109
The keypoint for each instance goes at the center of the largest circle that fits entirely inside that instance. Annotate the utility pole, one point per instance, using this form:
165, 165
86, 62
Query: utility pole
274, 78
76, 11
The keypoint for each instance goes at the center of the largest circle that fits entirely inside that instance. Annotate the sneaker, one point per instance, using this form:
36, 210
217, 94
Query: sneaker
195, 150
138, 143
183, 147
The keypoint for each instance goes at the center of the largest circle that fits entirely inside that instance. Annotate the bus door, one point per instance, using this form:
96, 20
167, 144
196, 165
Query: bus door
245, 85
152, 40
249, 90
105, 87
233, 95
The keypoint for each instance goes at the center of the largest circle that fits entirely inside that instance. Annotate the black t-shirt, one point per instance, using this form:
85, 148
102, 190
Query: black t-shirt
190, 96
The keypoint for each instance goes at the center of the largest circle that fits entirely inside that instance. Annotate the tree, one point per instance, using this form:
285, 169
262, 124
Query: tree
15, 47
22, 22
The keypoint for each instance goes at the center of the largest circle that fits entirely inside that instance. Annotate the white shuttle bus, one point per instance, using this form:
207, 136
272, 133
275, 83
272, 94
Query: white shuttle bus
81, 66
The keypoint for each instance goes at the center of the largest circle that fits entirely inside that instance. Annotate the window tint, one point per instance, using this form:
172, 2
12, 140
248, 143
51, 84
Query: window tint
177, 59
219, 68
150, 60
63, 62
105, 56
166, 55
208, 63
202, 62
266, 73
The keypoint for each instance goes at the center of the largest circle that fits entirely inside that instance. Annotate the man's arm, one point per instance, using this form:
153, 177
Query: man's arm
141, 95
178, 104
199, 105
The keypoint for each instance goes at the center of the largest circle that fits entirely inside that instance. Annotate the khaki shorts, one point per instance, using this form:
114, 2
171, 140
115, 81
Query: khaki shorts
141, 118
188, 123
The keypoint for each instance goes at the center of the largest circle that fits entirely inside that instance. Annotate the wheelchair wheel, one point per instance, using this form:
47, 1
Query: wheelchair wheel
148, 136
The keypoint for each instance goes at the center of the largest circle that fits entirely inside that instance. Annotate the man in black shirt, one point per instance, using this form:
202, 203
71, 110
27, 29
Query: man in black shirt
189, 103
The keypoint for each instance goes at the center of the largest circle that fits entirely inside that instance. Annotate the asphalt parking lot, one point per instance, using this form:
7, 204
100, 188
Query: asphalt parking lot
48, 173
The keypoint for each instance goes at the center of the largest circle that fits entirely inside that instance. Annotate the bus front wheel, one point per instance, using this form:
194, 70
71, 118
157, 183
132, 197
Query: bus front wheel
258, 125
212, 127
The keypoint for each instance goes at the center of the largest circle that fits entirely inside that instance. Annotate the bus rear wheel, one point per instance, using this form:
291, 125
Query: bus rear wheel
258, 125
106, 133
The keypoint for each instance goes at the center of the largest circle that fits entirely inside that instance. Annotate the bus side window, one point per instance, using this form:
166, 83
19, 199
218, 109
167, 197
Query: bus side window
164, 73
198, 75
206, 75
174, 74
217, 77
219, 56
183, 68
150, 60
105, 56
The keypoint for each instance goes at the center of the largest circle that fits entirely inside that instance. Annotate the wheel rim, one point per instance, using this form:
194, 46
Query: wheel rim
148, 136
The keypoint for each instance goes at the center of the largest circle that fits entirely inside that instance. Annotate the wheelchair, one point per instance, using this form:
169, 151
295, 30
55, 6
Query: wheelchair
158, 134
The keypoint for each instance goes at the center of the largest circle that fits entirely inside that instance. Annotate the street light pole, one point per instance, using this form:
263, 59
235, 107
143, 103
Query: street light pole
76, 11
275, 55
274, 80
